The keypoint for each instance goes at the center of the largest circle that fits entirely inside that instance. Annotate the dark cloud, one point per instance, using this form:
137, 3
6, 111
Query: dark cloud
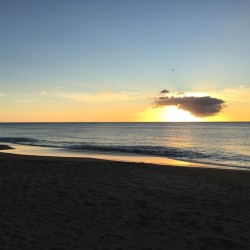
198, 106
164, 91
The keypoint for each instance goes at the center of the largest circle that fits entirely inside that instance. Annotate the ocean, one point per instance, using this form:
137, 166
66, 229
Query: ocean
222, 144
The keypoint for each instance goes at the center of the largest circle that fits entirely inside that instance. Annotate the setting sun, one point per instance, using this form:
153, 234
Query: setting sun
174, 114
168, 114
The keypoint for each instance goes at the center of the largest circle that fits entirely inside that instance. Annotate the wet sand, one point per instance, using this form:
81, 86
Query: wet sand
71, 203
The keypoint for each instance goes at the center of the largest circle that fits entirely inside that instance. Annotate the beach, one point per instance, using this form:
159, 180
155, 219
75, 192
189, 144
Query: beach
83, 203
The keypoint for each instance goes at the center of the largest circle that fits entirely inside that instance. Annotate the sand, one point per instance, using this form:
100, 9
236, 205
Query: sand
69, 203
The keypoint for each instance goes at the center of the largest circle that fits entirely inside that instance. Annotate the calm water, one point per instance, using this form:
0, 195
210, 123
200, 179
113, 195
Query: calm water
225, 144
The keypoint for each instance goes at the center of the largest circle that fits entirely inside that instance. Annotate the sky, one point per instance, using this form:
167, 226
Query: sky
95, 60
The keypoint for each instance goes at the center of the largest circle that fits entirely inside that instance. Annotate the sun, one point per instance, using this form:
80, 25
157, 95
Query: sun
168, 114
173, 114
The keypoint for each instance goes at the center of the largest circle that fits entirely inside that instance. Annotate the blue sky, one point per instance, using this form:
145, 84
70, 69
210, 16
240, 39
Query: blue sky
123, 46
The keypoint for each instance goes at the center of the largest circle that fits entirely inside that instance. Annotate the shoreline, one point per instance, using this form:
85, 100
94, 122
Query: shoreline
223, 174
106, 155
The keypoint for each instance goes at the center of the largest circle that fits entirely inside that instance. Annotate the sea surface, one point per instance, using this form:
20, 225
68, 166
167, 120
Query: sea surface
222, 144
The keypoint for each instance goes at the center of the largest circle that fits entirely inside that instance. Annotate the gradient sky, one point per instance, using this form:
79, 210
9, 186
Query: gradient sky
92, 60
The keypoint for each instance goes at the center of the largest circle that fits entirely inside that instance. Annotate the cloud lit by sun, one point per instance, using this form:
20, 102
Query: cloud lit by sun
187, 107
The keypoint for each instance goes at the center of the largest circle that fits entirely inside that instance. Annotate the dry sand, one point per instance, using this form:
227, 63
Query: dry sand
68, 203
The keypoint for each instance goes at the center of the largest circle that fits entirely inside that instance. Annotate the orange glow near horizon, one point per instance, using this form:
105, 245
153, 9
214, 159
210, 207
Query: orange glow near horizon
67, 110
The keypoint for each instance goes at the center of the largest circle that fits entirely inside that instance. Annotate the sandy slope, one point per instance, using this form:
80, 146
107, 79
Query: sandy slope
60, 203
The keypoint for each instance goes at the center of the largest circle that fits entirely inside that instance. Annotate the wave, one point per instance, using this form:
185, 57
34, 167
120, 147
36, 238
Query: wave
18, 140
148, 150
170, 152
215, 158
